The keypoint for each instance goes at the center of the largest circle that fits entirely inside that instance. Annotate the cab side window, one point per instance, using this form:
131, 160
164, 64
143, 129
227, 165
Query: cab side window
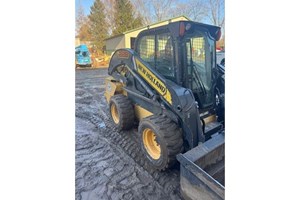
146, 49
158, 51
165, 56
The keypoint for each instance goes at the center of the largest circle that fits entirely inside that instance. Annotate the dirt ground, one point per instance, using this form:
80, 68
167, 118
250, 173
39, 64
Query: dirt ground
110, 164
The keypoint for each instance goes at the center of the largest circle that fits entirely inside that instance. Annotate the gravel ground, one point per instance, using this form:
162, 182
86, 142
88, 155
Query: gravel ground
110, 164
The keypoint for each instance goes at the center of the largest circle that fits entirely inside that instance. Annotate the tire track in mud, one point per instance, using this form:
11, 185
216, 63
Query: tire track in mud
92, 107
169, 180
104, 172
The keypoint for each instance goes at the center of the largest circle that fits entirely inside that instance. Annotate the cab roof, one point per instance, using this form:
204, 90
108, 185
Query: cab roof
174, 28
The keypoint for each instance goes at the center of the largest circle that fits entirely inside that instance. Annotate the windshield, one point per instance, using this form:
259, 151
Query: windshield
85, 53
200, 53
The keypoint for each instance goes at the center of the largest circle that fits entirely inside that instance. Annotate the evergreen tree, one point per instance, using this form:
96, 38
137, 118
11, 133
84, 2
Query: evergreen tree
124, 18
98, 25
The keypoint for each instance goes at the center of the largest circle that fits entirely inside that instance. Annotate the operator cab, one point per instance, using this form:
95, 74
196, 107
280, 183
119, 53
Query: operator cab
183, 52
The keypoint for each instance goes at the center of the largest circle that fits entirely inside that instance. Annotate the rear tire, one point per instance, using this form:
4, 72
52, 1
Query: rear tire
161, 141
121, 112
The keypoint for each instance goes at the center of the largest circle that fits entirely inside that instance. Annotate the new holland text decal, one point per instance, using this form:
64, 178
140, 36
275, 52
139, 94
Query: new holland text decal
157, 84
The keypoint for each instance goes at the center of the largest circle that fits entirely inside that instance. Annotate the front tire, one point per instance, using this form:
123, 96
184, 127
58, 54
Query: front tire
161, 141
121, 112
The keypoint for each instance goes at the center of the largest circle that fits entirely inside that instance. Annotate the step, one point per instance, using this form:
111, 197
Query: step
212, 128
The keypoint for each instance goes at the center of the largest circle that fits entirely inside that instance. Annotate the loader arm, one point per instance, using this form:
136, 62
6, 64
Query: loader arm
166, 96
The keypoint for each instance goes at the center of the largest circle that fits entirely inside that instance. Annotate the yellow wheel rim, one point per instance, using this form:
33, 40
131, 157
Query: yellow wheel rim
114, 113
152, 147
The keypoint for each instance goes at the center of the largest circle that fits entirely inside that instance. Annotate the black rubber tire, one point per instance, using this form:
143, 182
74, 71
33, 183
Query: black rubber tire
169, 137
125, 111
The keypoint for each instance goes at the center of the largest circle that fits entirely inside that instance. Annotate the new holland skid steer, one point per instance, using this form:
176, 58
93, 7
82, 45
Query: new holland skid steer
171, 85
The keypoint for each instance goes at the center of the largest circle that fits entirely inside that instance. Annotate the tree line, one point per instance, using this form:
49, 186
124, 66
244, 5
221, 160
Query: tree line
112, 17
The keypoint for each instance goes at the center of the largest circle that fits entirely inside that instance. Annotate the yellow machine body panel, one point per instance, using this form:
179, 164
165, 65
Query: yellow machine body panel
209, 119
113, 87
141, 112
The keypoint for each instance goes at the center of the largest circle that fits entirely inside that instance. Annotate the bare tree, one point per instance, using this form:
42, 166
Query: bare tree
206, 11
84, 32
109, 7
196, 10
162, 9
80, 18
216, 12
82, 24
155, 10
143, 8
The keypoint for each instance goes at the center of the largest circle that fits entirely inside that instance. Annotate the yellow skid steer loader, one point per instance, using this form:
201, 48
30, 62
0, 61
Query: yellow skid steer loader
171, 85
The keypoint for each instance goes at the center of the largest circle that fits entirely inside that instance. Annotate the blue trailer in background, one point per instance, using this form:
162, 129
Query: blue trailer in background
82, 56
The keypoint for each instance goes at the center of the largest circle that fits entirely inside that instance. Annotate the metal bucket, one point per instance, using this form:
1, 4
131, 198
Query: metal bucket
202, 170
